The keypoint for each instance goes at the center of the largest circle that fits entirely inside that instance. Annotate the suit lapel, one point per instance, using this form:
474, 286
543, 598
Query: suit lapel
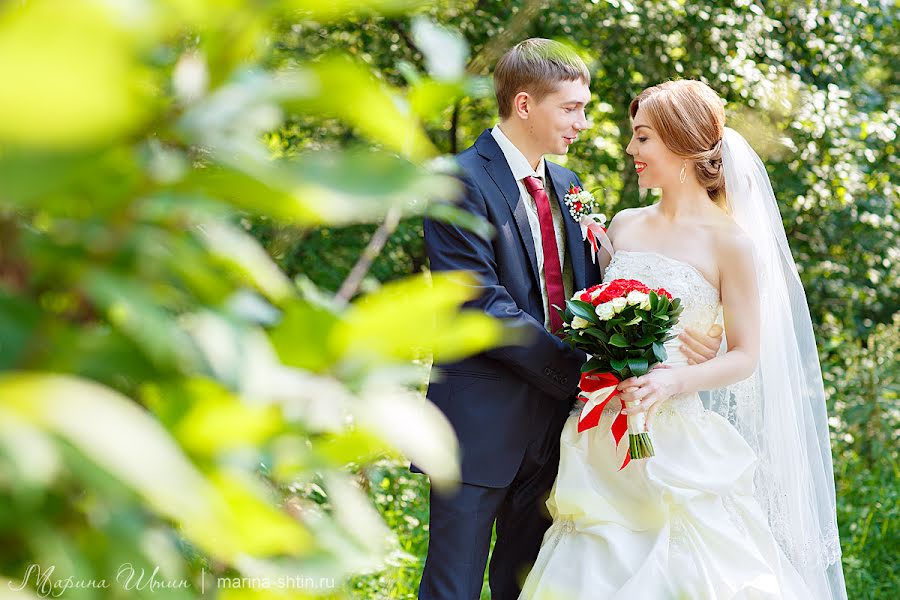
498, 169
574, 243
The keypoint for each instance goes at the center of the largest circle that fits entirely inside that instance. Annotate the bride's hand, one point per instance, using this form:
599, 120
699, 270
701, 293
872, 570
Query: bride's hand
648, 391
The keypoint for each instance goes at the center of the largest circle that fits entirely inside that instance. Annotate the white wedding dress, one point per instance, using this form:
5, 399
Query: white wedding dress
681, 525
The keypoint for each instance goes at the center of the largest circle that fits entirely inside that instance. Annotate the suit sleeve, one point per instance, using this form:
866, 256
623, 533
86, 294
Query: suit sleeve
545, 362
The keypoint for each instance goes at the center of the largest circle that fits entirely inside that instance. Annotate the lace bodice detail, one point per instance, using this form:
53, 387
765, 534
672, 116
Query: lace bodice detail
700, 299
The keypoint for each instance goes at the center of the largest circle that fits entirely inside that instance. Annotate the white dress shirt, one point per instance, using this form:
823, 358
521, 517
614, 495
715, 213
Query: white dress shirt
521, 168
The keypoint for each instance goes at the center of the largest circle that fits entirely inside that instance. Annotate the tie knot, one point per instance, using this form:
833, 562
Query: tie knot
532, 184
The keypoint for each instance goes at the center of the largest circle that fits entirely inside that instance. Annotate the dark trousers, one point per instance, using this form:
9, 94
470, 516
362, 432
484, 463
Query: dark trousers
461, 524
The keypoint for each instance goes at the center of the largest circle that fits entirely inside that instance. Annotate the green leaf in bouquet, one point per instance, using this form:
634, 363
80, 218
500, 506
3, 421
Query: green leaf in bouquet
643, 314
595, 364
638, 366
582, 309
645, 341
618, 364
676, 303
598, 333
654, 301
618, 340
662, 306
615, 321
661, 317
659, 351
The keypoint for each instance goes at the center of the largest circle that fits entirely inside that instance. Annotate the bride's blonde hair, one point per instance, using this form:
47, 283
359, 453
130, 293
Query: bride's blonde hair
690, 119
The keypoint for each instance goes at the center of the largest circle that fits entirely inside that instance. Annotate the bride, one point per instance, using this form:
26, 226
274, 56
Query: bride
739, 500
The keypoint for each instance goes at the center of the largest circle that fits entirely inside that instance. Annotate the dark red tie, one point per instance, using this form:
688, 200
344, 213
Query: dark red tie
552, 270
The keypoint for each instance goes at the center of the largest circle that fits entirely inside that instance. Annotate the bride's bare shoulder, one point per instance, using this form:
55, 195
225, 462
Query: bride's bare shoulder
732, 243
624, 219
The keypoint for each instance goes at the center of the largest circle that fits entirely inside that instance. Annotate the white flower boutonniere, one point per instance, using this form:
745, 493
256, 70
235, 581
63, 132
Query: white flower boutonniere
584, 208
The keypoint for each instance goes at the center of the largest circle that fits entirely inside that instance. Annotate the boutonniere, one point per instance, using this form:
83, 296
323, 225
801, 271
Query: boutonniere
585, 209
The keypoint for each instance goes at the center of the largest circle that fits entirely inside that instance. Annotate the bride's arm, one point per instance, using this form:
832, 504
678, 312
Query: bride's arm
740, 306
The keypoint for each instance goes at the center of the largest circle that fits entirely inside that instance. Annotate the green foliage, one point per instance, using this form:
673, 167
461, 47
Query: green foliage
169, 396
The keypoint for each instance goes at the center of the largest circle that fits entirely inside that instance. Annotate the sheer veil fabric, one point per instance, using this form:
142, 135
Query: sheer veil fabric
780, 411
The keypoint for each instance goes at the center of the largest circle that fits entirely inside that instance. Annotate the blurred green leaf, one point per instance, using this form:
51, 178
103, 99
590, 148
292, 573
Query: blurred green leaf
325, 10
375, 111
75, 72
407, 318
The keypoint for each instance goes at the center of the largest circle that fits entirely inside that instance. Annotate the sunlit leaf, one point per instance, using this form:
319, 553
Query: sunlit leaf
138, 451
357, 516
372, 107
449, 213
409, 317
416, 427
254, 525
339, 10
428, 98
445, 50
217, 421
244, 253
134, 311
298, 336
75, 72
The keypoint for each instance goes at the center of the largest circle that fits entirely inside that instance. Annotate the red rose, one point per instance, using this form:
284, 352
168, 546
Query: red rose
578, 206
663, 292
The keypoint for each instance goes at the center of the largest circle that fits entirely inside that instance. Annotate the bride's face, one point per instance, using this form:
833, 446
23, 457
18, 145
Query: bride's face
656, 165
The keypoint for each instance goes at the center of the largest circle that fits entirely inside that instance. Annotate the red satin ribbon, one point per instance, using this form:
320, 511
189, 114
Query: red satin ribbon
591, 382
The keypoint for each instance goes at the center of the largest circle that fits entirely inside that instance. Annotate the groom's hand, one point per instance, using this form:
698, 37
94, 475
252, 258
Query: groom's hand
699, 347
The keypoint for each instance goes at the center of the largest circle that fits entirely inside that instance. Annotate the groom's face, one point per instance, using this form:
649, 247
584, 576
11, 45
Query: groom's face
555, 122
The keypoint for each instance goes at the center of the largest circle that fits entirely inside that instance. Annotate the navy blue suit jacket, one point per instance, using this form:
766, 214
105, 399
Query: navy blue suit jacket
500, 400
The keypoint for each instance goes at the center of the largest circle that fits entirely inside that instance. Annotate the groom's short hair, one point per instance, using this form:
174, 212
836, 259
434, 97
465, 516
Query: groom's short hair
535, 66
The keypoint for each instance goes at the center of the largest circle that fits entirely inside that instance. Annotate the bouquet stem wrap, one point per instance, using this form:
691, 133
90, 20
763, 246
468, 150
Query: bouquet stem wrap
597, 390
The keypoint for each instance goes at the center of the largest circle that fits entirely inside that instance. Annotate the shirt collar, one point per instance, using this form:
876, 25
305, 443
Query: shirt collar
517, 161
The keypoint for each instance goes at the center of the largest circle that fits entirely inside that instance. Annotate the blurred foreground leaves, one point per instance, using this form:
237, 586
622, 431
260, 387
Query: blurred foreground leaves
169, 397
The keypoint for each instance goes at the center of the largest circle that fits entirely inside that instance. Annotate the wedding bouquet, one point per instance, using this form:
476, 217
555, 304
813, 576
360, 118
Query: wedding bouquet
623, 325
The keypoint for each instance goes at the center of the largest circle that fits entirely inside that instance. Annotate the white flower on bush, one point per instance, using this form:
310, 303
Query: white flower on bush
618, 304
639, 298
585, 197
605, 311
579, 323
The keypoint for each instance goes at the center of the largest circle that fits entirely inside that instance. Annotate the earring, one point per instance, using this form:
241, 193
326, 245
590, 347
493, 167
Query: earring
683, 174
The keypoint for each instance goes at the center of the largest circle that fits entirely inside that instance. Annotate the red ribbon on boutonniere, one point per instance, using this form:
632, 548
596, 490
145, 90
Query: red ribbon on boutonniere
584, 208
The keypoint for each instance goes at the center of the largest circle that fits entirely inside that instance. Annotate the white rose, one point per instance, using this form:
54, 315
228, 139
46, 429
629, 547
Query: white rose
618, 304
605, 311
585, 197
645, 305
636, 297
579, 323
598, 291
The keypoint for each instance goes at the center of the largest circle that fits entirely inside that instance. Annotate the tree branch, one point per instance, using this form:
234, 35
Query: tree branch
351, 284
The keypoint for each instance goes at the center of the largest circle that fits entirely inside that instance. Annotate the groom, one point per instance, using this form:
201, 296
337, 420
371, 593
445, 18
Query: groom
508, 405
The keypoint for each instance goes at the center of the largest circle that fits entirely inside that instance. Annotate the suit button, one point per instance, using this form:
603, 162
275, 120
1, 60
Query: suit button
548, 371
564, 380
